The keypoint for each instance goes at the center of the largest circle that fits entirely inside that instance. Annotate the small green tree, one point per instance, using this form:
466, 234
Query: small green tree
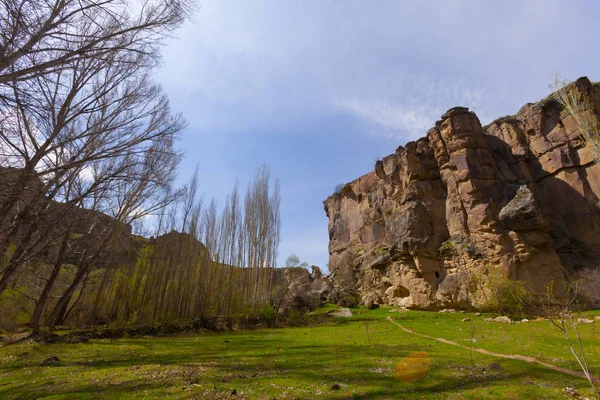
269, 315
292, 261
499, 293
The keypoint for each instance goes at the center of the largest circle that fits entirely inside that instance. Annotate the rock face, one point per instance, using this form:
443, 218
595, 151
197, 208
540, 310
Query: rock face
519, 198
300, 289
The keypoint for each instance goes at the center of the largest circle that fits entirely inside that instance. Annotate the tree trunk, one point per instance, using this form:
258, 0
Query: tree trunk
79, 296
39, 307
60, 308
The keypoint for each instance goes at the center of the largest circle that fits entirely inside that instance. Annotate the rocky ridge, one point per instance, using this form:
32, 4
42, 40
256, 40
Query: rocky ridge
442, 215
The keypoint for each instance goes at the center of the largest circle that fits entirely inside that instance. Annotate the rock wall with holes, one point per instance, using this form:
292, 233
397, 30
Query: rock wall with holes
518, 198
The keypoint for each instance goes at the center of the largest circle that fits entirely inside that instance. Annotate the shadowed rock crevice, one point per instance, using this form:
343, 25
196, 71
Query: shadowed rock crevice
519, 196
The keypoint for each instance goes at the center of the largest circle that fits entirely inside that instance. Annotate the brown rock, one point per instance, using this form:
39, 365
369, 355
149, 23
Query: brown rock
301, 289
520, 195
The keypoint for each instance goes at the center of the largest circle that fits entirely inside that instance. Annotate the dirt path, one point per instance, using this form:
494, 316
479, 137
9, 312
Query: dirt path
531, 360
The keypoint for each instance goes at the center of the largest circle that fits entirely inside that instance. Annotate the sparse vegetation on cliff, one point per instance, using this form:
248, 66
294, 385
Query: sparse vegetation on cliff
577, 104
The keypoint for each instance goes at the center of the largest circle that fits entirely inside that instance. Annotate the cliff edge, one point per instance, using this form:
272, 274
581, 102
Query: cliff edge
442, 215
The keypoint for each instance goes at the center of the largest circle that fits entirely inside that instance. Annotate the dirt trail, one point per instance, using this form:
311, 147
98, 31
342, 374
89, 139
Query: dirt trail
531, 360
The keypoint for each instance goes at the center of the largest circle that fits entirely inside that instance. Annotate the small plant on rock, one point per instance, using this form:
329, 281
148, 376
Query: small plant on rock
446, 247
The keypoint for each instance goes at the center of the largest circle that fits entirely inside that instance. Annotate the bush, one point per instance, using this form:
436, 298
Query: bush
295, 317
350, 300
501, 294
268, 315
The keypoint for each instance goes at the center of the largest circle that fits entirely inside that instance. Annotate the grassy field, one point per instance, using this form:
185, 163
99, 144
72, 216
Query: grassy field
351, 359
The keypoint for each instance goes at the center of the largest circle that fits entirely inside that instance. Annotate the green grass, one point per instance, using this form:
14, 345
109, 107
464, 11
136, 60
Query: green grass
535, 338
299, 363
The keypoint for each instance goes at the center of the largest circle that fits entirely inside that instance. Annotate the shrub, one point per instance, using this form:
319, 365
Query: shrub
501, 294
295, 317
350, 300
268, 315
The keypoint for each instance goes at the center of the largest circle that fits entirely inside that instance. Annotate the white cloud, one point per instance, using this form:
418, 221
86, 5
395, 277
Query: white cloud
393, 119
409, 115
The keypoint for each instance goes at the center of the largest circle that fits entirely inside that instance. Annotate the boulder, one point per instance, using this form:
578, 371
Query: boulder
522, 212
342, 312
503, 319
585, 321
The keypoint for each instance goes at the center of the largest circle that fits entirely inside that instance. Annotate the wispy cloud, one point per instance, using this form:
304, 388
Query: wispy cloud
296, 83
390, 119
408, 117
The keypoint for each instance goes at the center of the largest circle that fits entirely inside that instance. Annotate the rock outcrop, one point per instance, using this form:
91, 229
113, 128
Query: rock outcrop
300, 289
518, 197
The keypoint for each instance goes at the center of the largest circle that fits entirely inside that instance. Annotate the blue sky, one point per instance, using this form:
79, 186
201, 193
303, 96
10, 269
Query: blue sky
320, 90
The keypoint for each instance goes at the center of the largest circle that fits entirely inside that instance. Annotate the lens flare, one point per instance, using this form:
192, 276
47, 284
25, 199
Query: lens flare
413, 367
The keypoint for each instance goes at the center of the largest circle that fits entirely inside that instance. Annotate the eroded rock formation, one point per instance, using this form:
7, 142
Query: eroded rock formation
300, 289
518, 197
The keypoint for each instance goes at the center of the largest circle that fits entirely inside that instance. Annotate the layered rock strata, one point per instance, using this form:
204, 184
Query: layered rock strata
430, 226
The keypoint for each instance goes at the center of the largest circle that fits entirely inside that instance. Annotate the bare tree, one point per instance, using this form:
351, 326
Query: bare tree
96, 119
41, 37
560, 312
190, 201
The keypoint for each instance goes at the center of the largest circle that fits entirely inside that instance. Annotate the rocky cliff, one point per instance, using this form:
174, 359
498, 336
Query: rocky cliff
435, 220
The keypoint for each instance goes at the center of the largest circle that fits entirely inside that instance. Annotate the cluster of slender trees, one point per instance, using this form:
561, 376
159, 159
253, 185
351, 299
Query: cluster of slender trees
201, 263
87, 150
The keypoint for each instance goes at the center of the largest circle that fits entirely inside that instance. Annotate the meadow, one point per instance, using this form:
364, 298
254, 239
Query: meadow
347, 358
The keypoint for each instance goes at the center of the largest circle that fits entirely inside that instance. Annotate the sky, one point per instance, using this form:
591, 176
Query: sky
321, 89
